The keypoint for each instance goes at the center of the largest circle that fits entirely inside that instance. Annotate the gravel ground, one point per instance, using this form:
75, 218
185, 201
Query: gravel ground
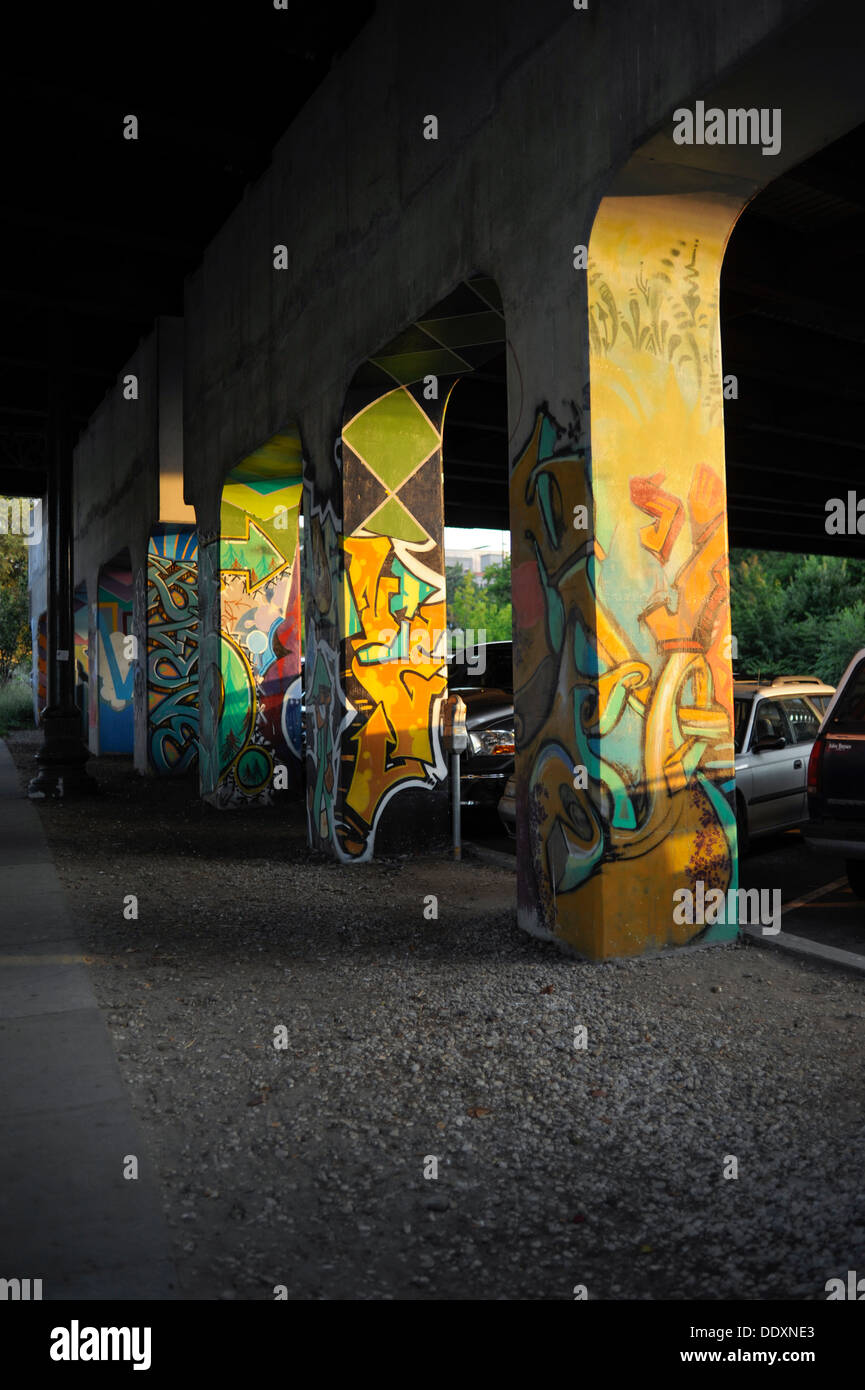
453, 1038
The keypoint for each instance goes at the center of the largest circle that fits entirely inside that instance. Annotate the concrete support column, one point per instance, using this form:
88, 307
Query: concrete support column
82, 665
63, 756
171, 642
209, 633
120, 656
54, 598
375, 624
140, 713
93, 661
249, 609
626, 788
40, 670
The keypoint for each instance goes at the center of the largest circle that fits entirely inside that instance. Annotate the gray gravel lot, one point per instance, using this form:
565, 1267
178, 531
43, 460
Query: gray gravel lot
453, 1038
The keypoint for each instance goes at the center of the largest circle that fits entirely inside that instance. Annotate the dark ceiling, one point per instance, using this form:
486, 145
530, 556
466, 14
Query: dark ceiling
793, 333
97, 232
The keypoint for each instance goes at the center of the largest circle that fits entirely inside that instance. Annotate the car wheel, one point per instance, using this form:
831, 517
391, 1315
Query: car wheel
856, 876
742, 835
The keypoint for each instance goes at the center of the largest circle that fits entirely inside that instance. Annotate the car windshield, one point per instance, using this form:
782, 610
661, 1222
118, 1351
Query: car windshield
490, 667
742, 711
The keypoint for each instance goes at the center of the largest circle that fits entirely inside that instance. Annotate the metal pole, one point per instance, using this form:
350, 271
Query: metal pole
62, 757
65, 676
52, 692
455, 780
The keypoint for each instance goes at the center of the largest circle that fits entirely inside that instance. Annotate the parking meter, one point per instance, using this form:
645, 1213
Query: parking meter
456, 741
454, 736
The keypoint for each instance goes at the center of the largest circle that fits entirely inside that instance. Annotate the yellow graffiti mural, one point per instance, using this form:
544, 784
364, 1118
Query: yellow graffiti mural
623, 624
397, 659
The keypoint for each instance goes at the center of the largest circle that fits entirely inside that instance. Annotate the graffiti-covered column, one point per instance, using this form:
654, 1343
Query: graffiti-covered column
375, 607
112, 676
81, 638
249, 610
93, 662
627, 785
172, 643
375, 625
40, 672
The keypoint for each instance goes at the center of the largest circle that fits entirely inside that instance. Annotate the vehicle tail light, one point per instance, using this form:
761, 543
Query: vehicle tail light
814, 762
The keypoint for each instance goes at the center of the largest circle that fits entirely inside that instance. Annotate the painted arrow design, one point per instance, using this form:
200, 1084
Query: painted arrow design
647, 494
254, 555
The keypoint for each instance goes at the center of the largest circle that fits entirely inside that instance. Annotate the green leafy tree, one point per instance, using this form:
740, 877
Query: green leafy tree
14, 631
841, 638
454, 575
795, 614
13, 558
14, 607
497, 582
477, 608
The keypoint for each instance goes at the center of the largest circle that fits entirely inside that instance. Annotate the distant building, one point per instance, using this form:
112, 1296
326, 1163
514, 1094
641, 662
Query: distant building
476, 561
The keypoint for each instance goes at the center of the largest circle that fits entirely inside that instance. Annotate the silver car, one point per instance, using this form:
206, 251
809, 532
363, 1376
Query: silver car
776, 722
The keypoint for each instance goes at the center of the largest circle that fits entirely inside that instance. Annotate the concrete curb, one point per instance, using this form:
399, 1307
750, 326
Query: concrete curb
811, 950
490, 856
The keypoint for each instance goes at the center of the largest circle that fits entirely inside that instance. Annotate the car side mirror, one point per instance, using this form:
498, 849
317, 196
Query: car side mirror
768, 745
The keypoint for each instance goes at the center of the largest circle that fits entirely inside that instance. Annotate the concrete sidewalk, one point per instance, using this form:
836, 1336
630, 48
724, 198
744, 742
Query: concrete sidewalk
67, 1214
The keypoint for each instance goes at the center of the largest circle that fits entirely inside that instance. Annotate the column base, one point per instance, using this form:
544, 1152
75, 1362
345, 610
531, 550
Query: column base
62, 758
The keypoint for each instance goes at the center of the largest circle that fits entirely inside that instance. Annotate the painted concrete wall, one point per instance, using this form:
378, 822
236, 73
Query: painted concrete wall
116, 471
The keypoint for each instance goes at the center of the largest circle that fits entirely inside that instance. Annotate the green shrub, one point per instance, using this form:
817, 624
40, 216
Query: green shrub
16, 706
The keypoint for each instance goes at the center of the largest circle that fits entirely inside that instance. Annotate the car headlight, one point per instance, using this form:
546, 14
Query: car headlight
490, 743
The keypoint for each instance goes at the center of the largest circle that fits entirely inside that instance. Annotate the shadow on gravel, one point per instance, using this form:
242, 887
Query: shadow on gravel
207, 879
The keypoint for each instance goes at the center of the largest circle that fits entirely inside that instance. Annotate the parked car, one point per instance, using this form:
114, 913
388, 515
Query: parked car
484, 680
836, 777
775, 725
488, 666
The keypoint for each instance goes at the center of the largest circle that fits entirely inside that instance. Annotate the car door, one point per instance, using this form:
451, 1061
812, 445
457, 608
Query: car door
804, 723
776, 787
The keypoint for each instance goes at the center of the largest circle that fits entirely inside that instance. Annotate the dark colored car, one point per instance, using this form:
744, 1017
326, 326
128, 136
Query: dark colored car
489, 666
484, 680
836, 777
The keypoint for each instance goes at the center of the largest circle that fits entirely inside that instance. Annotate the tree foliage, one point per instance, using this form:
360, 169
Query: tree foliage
14, 607
484, 608
796, 615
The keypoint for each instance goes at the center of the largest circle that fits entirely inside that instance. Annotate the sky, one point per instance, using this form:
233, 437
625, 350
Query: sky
466, 538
